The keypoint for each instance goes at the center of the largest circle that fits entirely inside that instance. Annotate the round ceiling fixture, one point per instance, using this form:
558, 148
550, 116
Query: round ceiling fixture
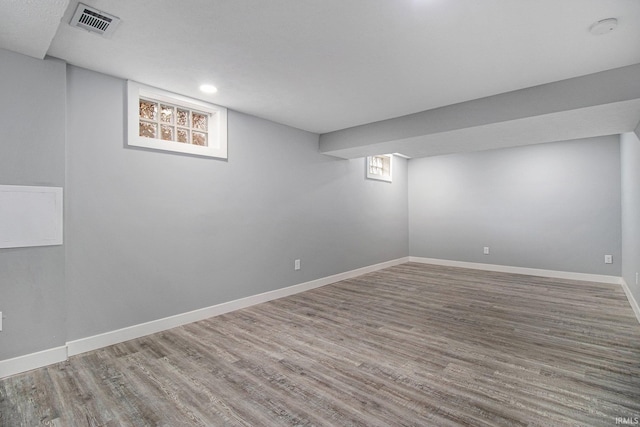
604, 26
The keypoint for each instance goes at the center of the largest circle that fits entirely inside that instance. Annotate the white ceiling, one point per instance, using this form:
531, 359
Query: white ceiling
28, 27
324, 65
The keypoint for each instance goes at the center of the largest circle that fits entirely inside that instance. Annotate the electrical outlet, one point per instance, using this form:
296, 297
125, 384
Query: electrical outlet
636, 277
486, 250
1, 316
296, 264
608, 259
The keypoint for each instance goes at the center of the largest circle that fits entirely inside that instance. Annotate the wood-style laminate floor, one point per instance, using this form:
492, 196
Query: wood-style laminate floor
414, 344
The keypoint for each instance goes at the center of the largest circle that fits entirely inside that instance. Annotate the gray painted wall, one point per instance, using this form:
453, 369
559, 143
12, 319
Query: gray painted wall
551, 206
32, 120
630, 159
153, 234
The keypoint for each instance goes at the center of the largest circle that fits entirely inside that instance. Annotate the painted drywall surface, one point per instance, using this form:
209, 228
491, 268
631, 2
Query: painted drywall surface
585, 92
32, 119
630, 161
550, 206
153, 234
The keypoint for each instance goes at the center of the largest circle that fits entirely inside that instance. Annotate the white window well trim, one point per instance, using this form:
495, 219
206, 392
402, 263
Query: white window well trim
217, 136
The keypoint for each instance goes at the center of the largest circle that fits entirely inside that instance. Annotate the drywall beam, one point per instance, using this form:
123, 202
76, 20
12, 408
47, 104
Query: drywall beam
615, 88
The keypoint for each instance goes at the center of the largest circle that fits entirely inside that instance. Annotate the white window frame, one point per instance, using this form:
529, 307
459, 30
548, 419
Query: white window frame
216, 141
375, 169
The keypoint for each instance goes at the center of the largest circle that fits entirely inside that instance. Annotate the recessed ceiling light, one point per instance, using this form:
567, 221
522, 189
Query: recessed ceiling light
604, 26
208, 88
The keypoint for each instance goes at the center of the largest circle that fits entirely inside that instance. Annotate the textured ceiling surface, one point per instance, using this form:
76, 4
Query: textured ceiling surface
333, 64
28, 27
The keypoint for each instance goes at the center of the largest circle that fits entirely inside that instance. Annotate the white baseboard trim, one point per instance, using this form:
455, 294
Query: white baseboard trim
59, 354
114, 337
632, 300
31, 361
521, 270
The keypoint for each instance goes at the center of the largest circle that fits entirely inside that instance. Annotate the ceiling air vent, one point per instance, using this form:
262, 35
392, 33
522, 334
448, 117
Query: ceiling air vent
94, 20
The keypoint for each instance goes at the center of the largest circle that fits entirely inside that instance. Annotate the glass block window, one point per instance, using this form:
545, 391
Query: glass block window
191, 126
379, 167
165, 121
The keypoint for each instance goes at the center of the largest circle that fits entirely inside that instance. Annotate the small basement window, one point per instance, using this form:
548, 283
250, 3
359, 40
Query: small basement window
161, 120
379, 167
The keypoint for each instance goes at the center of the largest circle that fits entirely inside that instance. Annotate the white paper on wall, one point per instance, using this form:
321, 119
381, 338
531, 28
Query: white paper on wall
30, 216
